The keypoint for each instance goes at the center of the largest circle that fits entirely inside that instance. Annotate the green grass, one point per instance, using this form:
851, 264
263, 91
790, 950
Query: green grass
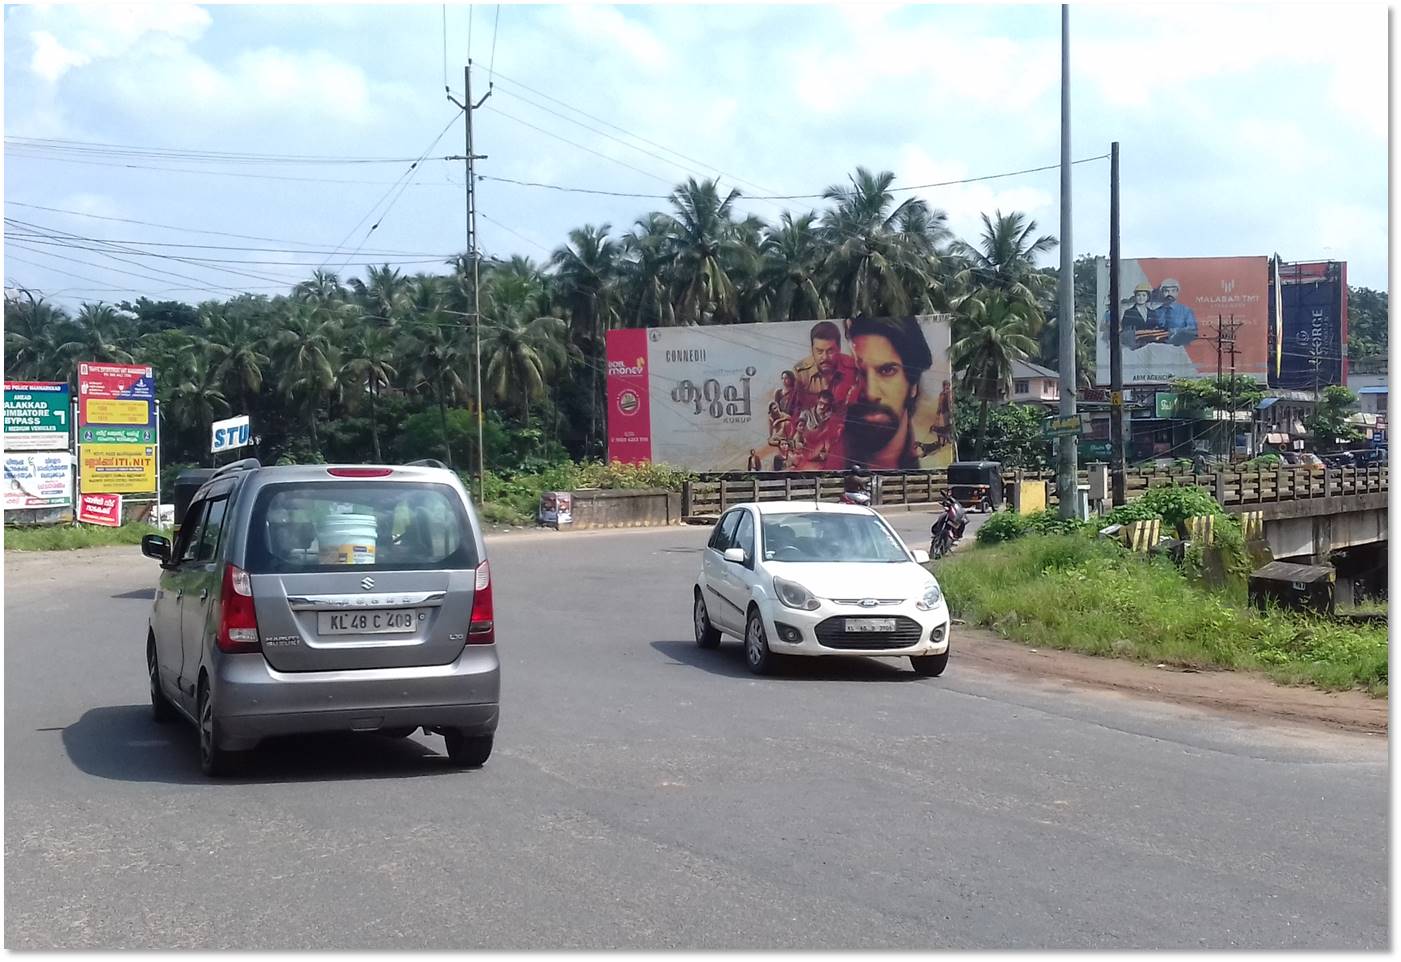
65, 537
1092, 596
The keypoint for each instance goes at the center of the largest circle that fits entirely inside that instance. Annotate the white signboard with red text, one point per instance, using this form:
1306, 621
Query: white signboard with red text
791, 396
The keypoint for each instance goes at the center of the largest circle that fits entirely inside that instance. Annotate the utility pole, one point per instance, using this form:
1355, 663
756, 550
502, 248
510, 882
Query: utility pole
470, 159
1116, 349
1067, 482
1231, 392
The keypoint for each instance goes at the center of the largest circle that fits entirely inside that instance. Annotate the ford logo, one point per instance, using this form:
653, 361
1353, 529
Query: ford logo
868, 602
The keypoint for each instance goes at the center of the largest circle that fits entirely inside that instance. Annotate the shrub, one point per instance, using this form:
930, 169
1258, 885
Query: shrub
1128, 513
1049, 522
1176, 503
1002, 526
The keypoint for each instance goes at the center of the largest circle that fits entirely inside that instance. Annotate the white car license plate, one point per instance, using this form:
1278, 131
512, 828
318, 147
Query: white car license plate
367, 622
870, 624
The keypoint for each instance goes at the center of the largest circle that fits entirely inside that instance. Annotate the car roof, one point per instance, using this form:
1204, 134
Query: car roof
321, 472
795, 507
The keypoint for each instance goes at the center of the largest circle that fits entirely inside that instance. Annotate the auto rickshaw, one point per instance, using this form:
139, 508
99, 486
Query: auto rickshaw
977, 484
187, 484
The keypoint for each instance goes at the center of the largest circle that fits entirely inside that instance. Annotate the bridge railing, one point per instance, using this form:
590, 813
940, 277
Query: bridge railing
710, 495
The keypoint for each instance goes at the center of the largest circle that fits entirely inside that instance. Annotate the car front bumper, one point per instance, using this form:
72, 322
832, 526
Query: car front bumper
255, 701
820, 632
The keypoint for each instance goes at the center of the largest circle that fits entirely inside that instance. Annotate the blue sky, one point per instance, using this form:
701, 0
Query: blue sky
1244, 129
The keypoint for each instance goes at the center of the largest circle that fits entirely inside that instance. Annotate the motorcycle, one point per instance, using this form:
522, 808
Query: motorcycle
947, 529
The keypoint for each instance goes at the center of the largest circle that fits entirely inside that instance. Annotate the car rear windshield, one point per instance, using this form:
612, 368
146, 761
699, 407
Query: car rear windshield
830, 537
333, 526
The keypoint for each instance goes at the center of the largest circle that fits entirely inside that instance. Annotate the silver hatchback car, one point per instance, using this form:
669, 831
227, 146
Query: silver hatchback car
327, 598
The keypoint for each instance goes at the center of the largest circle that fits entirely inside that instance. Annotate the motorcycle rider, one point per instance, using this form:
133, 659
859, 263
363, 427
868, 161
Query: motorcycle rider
855, 488
947, 529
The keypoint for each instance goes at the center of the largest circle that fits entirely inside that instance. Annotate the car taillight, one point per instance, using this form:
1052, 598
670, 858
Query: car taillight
359, 472
238, 623
482, 630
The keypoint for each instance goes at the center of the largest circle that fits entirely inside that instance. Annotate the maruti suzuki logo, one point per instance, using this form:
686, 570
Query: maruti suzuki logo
367, 583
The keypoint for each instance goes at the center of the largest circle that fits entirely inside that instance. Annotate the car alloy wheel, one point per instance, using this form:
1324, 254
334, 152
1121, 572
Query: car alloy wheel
756, 646
213, 760
161, 710
707, 635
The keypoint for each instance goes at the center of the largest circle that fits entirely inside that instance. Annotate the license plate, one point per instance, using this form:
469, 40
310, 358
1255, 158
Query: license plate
870, 624
368, 622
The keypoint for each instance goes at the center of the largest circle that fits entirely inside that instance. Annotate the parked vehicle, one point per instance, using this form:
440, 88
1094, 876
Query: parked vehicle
947, 529
325, 598
977, 484
811, 578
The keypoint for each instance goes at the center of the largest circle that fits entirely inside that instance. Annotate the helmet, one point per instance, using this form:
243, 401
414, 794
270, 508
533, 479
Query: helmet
1143, 289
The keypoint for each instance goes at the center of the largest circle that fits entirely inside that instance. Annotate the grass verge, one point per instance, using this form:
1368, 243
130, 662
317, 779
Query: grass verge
1091, 596
68, 538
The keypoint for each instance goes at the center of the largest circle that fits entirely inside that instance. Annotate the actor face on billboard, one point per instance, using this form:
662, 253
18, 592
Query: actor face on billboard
1174, 317
891, 354
825, 367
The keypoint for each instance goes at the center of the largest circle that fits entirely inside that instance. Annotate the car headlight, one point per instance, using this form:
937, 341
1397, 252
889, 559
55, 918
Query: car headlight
931, 599
795, 595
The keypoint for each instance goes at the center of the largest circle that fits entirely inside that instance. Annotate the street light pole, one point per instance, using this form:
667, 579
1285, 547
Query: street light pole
1066, 481
1116, 349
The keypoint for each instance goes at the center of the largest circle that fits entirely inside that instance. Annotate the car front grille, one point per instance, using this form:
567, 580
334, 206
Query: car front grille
856, 602
832, 633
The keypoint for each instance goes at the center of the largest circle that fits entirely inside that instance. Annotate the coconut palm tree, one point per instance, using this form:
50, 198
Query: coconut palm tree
97, 335
793, 254
236, 352
874, 266
436, 350
197, 401
368, 366
384, 294
646, 273
701, 247
993, 331
305, 347
1004, 257
35, 332
520, 351
587, 278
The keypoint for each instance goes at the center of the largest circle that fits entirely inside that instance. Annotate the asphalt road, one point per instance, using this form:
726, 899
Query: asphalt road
646, 794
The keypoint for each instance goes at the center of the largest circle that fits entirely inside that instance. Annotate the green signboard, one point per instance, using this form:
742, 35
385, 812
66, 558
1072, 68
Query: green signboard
93, 435
36, 415
1165, 404
1061, 427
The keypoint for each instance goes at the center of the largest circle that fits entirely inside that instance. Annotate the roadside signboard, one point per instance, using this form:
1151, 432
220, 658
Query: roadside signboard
36, 415
103, 509
1061, 427
230, 434
1164, 404
40, 479
117, 468
116, 395
92, 435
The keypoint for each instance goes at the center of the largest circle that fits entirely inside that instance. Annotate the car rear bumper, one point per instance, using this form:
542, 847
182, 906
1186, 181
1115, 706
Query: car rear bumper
255, 701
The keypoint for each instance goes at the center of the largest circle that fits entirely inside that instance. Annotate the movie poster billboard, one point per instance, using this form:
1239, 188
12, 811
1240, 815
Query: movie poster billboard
821, 395
1311, 338
1170, 309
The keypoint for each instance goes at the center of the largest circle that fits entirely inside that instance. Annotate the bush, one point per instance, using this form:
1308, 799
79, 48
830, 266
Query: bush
1050, 522
595, 474
67, 537
1176, 503
1128, 513
1002, 526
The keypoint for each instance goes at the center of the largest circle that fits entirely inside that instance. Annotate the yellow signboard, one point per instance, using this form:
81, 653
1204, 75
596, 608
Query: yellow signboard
109, 411
118, 468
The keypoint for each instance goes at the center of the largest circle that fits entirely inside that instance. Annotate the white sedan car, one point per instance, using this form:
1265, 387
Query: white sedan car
808, 578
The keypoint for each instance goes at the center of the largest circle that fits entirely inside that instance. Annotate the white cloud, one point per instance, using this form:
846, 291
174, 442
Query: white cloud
79, 36
612, 32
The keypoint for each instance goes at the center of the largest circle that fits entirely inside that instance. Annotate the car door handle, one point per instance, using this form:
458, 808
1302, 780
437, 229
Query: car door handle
203, 593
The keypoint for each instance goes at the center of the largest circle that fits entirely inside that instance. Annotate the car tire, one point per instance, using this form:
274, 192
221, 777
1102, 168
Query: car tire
930, 666
214, 761
707, 635
162, 711
756, 645
468, 751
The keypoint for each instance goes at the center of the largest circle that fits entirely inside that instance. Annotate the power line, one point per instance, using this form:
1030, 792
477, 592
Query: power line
265, 250
650, 143
491, 70
573, 190
185, 230
508, 230
185, 153
547, 133
225, 173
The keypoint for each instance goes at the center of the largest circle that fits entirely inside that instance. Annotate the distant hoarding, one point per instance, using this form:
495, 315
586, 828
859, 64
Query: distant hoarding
791, 396
1170, 309
117, 468
36, 415
39, 479
116, 395
1312, 333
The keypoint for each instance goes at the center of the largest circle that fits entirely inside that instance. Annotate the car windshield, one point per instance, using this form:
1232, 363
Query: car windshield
370, 524
830, 536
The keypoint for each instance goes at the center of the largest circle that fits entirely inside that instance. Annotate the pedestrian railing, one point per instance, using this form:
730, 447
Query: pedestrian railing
710, 495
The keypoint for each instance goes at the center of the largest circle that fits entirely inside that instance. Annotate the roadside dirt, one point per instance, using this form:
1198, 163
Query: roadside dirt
1233, 692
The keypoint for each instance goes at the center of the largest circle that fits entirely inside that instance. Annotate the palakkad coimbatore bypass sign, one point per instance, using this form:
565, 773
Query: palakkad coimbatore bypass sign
117, 468
36, 415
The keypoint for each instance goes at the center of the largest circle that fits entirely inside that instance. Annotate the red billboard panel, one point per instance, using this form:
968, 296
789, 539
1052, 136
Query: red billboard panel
629, 415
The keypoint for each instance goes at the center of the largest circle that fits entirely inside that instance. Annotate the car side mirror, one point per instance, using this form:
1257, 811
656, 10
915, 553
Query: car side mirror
921, 556
736, 555
154, 546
